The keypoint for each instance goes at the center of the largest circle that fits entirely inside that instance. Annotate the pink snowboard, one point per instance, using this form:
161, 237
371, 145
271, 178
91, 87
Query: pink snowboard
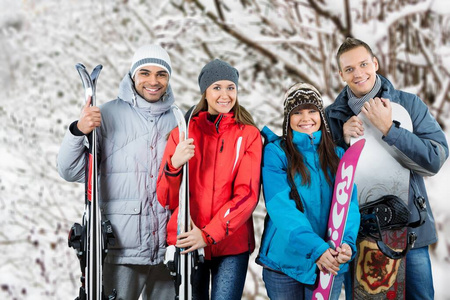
343, 188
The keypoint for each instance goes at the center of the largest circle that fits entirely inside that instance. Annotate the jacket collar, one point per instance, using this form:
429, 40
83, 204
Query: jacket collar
221, 124
305, 141
301, 140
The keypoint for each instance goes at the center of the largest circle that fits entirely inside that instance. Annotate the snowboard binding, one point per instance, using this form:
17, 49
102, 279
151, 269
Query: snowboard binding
390, 213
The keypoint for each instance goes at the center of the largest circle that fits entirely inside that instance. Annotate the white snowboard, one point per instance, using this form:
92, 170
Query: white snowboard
380, 173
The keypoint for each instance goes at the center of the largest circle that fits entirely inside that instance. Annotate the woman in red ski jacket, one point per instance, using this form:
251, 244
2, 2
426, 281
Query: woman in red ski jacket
224, 153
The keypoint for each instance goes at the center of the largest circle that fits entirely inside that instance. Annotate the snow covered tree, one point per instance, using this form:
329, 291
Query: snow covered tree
273, 44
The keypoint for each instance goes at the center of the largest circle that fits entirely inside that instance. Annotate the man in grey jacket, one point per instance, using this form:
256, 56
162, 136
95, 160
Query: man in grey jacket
132, 132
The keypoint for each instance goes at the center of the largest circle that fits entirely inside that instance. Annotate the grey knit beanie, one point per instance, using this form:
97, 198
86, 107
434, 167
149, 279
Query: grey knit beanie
150, 55
214, 71
300, 94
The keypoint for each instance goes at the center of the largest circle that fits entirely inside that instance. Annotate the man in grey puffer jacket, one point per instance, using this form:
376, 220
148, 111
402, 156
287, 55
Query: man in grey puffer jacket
132, 132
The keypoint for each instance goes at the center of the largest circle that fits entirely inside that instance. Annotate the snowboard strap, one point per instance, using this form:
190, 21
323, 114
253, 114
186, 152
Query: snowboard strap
421, 207
389, 252
419, 202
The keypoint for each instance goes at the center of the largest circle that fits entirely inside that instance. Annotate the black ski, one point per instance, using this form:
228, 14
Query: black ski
92, 237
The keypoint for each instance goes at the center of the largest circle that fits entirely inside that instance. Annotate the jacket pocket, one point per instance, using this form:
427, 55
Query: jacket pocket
125, 216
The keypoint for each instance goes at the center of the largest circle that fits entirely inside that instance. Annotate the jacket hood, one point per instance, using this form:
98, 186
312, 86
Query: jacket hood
299, 138
269, 135
128, 93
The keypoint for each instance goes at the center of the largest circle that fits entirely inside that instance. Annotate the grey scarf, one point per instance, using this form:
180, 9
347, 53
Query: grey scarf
356, 103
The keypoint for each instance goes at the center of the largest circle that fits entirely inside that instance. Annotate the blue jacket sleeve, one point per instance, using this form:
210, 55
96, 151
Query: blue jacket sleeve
425, 149
288, 220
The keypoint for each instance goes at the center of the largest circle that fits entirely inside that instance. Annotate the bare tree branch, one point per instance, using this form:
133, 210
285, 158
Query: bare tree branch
348, 17
219, 10
274, 59
335, 19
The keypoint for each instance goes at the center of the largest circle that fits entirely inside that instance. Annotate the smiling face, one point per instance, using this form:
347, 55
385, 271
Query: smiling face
305, 119
151, 82
221, 97
358, 68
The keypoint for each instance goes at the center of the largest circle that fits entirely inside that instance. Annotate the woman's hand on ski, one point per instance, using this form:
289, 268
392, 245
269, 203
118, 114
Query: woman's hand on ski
191, 240
184, 151
327, 262
90, 118
344, 253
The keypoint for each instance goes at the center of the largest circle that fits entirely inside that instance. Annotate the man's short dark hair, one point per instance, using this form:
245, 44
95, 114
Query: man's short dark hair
349, 44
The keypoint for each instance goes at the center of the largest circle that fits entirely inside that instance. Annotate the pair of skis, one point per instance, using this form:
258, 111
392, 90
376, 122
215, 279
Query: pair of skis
342, 195
182, 266
90, 239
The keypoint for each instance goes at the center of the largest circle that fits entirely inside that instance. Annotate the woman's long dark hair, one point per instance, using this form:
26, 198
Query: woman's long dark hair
328, 159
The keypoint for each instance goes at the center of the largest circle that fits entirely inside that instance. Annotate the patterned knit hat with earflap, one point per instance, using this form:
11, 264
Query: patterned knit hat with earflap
300, 94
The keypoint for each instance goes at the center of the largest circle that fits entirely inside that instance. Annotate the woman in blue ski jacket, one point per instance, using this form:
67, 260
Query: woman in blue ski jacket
298, 177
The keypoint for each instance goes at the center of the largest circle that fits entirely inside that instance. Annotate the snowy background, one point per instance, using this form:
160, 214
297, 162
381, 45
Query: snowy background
273, 43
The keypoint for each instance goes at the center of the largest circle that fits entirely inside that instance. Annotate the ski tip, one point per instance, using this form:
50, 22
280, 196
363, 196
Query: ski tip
177, 112
95, 73
80, 66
